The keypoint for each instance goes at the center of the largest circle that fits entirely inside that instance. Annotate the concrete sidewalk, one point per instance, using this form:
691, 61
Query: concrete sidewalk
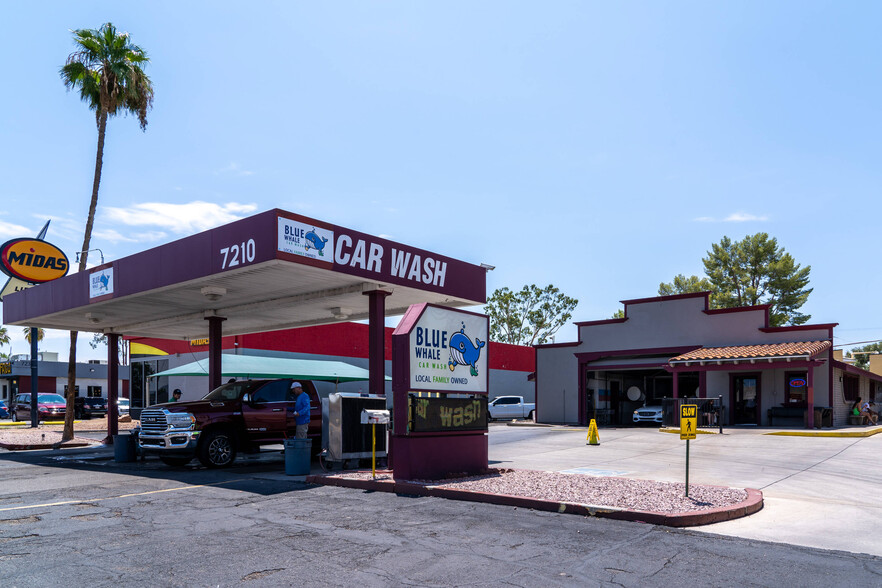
818, 491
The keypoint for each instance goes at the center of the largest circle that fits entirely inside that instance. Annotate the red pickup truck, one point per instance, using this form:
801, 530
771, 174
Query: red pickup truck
239, 416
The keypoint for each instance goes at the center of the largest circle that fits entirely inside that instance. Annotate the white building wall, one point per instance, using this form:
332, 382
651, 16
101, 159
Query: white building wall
557, 385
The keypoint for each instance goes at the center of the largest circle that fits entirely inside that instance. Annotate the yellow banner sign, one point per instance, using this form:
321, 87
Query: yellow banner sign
688, 421
198, 342
5, 368
33, 260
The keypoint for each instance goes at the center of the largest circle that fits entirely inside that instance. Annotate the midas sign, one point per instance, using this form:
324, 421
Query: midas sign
33, 260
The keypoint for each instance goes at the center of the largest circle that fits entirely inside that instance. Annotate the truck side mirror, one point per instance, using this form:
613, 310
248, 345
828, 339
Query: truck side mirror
246, 398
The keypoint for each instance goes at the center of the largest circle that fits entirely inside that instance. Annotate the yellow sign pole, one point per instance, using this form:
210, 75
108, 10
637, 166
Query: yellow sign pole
688, 424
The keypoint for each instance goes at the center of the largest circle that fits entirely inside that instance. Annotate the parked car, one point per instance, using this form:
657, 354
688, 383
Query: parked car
511, 407
648, 414
4, 410
89, 406
123, 406
234, 417
49, 407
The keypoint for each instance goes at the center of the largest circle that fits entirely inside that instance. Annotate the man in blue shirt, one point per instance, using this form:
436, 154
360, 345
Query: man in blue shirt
301, 410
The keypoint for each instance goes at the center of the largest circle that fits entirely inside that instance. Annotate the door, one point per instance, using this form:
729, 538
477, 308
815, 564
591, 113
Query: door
746, 399
264, 416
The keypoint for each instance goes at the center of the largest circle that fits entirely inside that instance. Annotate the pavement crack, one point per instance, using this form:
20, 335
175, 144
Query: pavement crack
261, 574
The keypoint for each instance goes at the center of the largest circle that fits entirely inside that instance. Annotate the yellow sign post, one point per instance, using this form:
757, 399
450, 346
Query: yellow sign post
688, 421
593, 436
688, 425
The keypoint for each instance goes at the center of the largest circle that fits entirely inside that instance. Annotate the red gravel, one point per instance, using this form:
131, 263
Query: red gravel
623, 493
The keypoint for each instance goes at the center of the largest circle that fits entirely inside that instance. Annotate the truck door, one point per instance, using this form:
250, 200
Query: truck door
265, 416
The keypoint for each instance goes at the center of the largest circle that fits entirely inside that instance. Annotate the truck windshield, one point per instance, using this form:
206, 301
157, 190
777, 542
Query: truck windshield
233, 390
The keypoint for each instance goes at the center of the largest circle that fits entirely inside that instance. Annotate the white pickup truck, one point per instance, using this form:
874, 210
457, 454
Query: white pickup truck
511, 407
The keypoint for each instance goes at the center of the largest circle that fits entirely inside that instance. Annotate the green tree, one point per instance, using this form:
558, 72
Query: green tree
684, 285
750, 272
528, 317
106, 69
618, 314
861, 355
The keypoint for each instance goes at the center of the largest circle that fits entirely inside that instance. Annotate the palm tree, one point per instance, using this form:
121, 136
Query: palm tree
27, 334
4, 336
106, 69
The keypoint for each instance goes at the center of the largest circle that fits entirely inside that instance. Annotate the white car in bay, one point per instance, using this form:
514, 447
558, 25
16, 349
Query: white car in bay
649, 414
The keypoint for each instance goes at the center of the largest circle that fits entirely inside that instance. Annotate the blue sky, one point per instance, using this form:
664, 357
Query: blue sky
599, 146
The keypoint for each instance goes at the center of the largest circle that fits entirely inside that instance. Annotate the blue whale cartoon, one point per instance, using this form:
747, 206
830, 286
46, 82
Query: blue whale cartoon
318, 243
104, 281
463, 352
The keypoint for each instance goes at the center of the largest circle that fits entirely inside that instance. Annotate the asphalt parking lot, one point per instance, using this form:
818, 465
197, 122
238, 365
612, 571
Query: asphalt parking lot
75, 517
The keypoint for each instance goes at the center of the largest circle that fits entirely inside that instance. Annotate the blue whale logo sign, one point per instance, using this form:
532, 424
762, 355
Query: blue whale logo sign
447, 350
317, 243
464, 352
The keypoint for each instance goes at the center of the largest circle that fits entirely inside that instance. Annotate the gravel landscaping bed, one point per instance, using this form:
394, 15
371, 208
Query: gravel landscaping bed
623, 493
24, 435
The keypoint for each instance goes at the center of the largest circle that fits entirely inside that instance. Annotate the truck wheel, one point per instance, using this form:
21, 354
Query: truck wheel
14, 417
217, 450
175, 461
531, 416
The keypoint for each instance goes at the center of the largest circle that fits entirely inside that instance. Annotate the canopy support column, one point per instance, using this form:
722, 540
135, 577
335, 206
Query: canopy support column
112, 386
676, 383
810, 398
215, 346
377, 341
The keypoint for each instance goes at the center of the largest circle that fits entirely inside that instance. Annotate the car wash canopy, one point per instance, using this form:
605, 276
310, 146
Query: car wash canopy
270, 271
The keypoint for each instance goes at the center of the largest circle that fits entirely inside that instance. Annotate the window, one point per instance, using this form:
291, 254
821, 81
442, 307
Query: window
796, 385
93, 392
273, 392
850, 387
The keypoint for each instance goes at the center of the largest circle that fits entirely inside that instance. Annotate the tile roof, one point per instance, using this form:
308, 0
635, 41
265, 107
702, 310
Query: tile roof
806, 348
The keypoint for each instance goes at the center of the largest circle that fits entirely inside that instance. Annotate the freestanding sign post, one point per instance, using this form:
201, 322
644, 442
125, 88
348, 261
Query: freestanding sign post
28, 262
439, 385
688, 424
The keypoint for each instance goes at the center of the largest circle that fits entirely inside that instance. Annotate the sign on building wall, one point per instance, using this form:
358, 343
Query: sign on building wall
5, 368
448, 351
101, 283
306, 240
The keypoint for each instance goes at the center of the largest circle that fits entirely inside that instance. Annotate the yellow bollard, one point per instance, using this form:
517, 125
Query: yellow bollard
593, 436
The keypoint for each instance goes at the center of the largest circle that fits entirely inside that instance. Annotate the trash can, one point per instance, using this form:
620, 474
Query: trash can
297, 456
124, 447
823, 417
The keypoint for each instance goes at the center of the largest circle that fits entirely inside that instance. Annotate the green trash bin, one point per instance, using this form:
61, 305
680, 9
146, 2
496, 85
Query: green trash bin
297, 456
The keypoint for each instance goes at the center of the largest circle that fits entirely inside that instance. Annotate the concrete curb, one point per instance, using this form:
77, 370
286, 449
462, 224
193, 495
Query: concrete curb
527, 424
864, 433
677, 431
752, 504
21, 447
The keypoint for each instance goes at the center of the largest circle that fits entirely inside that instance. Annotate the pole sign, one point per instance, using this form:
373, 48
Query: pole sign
448, 351
688, 421
33, 260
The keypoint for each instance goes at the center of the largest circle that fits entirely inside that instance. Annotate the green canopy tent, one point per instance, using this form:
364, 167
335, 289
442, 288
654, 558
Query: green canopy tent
253, 366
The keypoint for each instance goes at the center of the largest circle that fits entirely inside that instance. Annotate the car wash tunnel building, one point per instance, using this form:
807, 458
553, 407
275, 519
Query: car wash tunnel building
271, 271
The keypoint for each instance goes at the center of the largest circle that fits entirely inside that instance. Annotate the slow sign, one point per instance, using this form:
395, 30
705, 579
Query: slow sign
33, 260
